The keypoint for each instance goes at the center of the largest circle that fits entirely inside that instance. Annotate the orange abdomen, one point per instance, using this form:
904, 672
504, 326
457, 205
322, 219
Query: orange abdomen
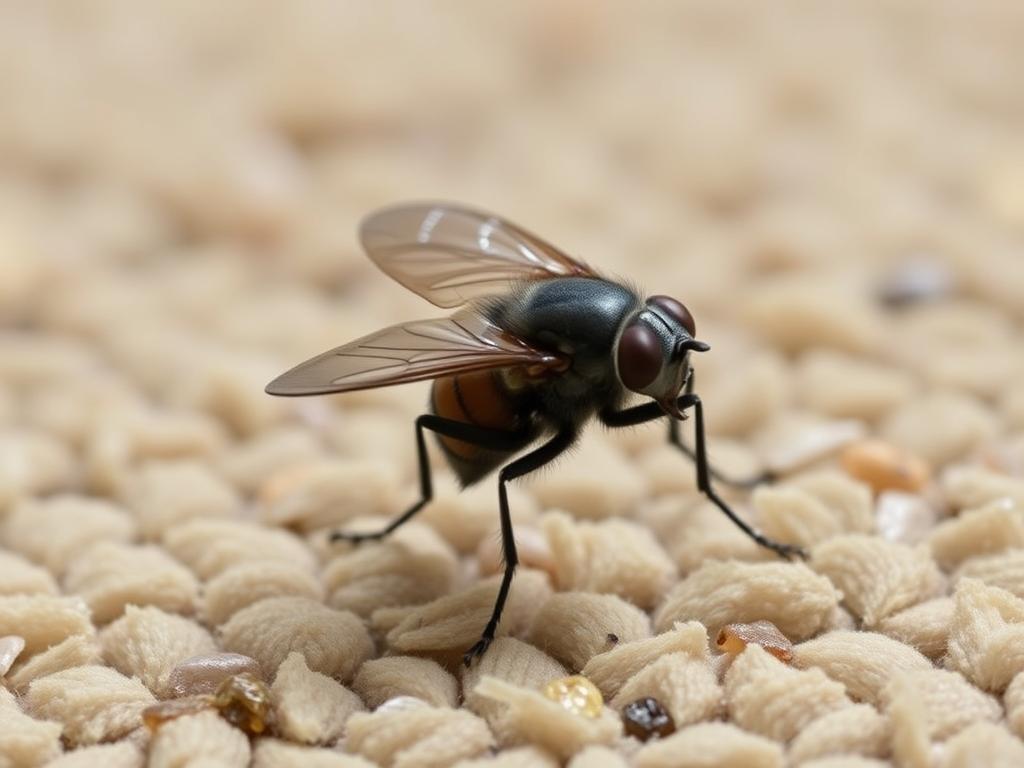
479, 399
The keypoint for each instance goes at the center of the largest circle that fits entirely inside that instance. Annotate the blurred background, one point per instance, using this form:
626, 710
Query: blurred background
181, 183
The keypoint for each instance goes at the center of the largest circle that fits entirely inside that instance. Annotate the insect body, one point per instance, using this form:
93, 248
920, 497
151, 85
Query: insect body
548, 398
543, 344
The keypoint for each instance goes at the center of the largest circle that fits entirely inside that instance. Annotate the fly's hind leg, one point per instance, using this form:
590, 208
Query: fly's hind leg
522, 466
494, 439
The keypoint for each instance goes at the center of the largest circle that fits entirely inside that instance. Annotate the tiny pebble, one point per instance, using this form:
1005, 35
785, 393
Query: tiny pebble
903, 517
576, 694
10, 647
402, 704
646, 719
885, 467
914, 282
205, 673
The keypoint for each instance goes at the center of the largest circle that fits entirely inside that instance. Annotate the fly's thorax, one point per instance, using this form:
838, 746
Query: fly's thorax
575, 316
563, 397
579, 318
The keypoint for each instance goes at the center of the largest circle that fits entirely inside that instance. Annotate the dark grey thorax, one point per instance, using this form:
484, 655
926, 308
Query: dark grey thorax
577, 316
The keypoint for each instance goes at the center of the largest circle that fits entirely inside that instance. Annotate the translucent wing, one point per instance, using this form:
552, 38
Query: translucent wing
426, 349
450, 255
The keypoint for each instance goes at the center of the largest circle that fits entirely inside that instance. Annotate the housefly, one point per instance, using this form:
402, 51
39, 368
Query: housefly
542, 343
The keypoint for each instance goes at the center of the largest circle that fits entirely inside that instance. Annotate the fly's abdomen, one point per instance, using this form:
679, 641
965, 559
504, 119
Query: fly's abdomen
482, 400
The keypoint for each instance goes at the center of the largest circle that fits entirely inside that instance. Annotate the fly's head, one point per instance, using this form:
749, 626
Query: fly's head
652, 354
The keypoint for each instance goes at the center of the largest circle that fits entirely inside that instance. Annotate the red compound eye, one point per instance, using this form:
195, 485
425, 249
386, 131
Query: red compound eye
639, 356
676, 311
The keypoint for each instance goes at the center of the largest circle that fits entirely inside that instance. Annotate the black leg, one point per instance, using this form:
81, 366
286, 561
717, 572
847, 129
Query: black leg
522, 466
675, 437
641, 414
650, 411
704, 484
486, 438
631, 417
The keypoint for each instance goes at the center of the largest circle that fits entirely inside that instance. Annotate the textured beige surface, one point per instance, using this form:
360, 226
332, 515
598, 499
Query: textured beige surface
180, 188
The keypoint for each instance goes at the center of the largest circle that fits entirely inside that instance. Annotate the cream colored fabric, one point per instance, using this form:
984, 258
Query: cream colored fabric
836, 192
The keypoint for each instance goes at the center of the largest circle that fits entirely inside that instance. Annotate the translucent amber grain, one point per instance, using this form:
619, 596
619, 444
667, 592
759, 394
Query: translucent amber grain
244, 701
733, 638
576, 694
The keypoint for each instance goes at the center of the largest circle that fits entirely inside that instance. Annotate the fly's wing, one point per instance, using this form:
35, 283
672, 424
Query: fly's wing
450, 255
426, 349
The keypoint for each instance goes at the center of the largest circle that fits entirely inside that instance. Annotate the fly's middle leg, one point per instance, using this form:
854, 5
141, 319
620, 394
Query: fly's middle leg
493, 439
522, 466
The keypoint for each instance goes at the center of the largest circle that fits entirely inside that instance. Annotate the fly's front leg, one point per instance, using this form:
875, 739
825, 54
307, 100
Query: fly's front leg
522, 466
675, 437
641, 414
494, 439
649, 412
704, 485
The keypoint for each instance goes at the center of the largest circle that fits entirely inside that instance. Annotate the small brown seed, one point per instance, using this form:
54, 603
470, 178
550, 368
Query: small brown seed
885, 467
646, 719
734, 638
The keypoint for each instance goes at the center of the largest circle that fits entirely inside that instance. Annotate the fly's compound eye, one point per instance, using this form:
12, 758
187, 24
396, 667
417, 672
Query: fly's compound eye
639, 356
676, 311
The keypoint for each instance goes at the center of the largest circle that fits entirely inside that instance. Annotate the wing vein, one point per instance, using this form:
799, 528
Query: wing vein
450, 255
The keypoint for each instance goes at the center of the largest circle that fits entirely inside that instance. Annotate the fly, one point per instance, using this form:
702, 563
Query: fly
541, 344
